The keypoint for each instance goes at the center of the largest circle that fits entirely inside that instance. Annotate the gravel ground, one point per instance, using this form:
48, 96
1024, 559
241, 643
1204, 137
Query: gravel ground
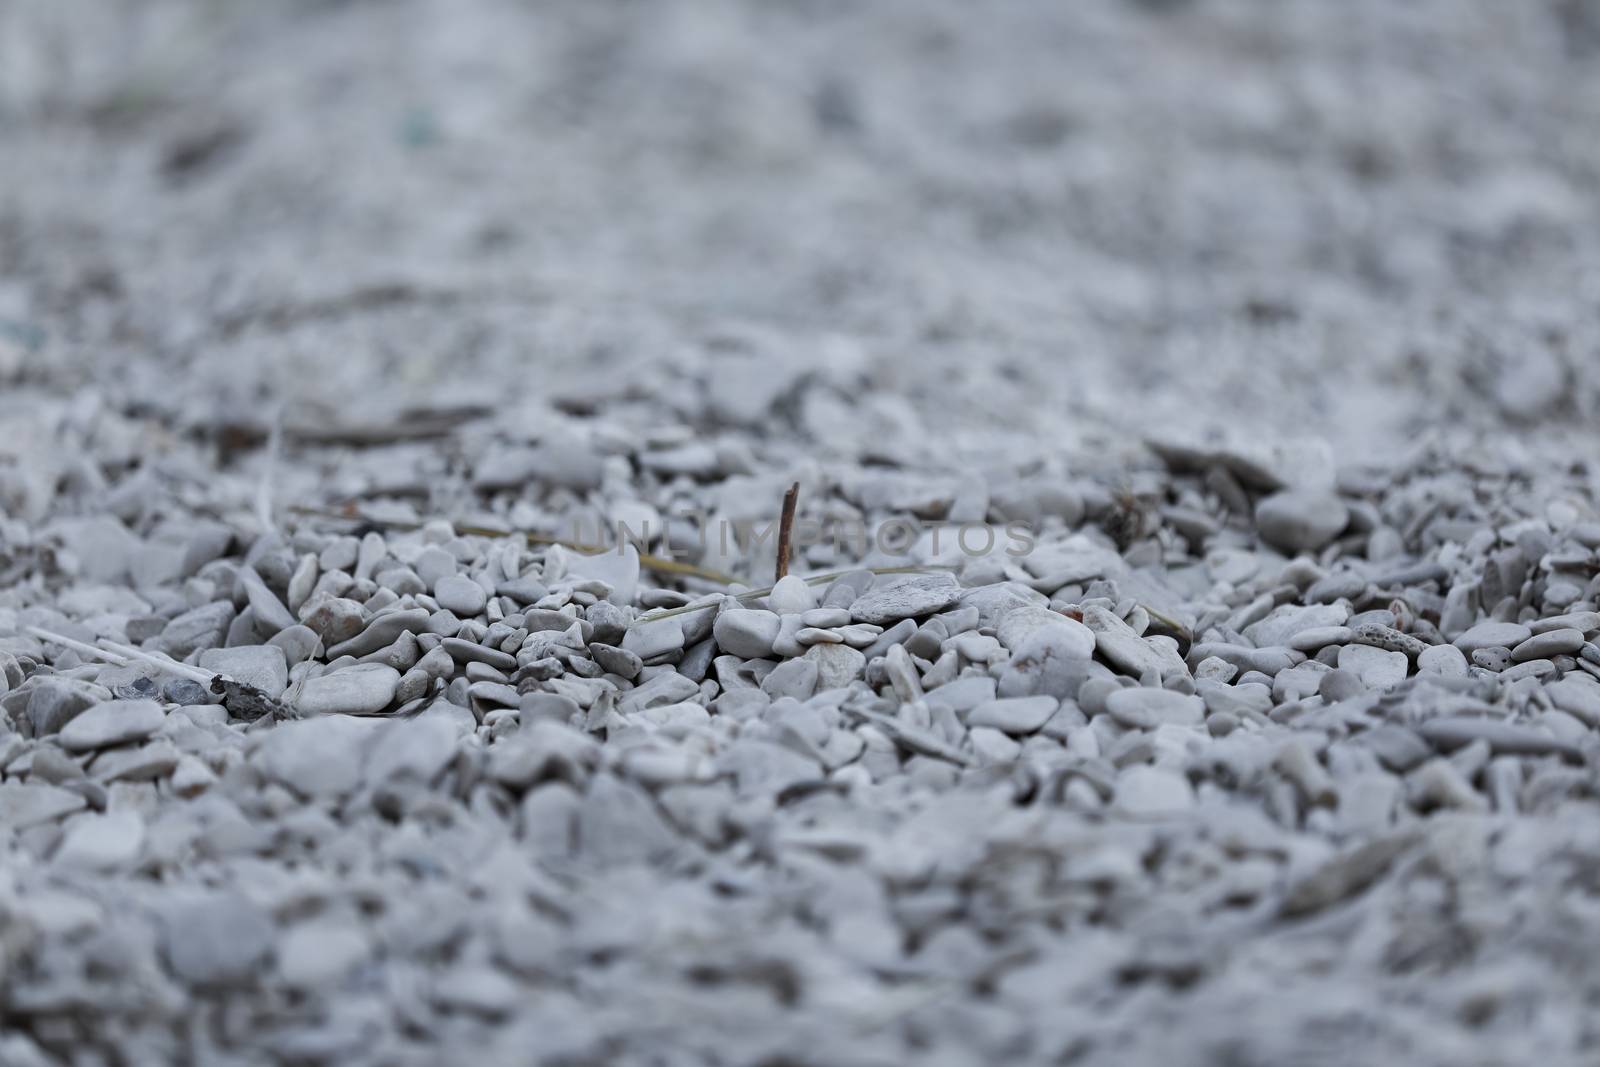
1226, 370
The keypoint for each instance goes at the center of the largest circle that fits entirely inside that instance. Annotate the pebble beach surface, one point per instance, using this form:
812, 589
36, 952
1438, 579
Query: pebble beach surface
1192, 407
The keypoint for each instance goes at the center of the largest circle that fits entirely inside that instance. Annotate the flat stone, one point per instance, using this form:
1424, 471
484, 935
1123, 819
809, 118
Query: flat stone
360, 690
1147, 708
298, 643
101, 843
336, 620
416, 750
1300, 520
791, 596
316, 757
837, 665
147, 762
55, 702
381, 631
464, 651
1503, 738
1014, 715
1319, 637
906, 599
619, 661
271, 615
27, 804
216, 938
796, 678
116, 722
1448, 661
1550, 643
203, 627
1016, 627
1376, 667
651, 639
1117, 643
1283, 624
1586, 621
1050, 662
263, 666
747, 632
1492, 635
460, 594
1152, 792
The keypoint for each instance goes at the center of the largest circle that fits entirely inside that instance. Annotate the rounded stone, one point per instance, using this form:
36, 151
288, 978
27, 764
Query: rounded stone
1300, 520
460, 594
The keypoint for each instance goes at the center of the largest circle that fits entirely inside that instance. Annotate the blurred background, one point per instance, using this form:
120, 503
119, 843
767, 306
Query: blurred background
1025, 223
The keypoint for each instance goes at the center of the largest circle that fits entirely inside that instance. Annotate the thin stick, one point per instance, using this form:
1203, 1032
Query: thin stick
121, 654
785, 527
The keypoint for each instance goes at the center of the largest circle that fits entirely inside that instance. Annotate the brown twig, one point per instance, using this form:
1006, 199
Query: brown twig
785, 528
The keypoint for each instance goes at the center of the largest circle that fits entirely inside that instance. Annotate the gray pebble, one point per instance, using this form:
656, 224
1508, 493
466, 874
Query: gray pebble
906, 598
747, 632
359, 690
1300, 520
1547, 644
116, 722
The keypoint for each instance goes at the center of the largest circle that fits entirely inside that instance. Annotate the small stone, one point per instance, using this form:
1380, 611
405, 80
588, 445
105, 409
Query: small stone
1492, 658
416, 750
299, 643
142, 688
826, 618
1320, 637
1147, 708
747, 632
316, 757
320, 953
1338, 685
102, 843
335, 620
795, 678
142, 764
992, 745
1377, 668
648, 640
1444, 660
460, 594
55, 702
218, 938
1050, 662
464, 651
1301, 520
204, 627
383, 630
1014, 715
1146, 791
791, 596
271, 615
906, 599
1492, 635
360, 690
184, 692
28, 804
116, 722
837, 665
1547, 644
1504, 738
619, 661
1118, 644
